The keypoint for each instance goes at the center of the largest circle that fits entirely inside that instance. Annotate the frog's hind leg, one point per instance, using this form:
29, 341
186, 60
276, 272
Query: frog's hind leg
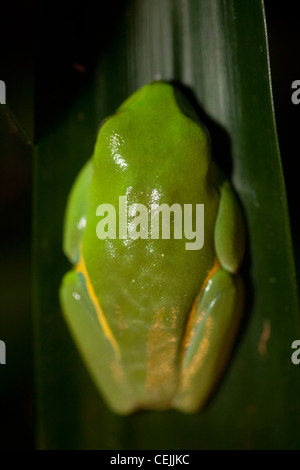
100, 357
208, 340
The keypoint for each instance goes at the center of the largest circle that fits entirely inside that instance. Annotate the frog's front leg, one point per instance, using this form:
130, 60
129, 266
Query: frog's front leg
95, 342
75, 219
215, 317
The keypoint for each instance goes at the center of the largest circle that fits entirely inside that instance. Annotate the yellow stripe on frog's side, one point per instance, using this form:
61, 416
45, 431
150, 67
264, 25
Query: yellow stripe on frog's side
81, 267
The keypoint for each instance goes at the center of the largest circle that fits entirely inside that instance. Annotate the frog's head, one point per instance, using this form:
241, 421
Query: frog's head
128, 138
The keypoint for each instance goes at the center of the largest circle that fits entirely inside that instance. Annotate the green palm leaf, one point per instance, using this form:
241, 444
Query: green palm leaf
217, 49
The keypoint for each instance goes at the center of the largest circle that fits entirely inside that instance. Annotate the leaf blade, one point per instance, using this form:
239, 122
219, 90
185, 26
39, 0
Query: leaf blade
215, 48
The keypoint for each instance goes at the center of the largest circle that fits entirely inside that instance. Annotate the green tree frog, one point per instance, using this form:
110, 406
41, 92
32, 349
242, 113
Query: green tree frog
154, 321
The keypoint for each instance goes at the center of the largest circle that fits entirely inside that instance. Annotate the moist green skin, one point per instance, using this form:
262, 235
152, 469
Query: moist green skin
151, 152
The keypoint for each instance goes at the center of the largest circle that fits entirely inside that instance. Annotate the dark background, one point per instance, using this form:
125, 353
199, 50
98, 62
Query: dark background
21, 28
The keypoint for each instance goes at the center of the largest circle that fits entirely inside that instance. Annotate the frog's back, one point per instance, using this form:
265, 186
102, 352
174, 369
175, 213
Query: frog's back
150, 153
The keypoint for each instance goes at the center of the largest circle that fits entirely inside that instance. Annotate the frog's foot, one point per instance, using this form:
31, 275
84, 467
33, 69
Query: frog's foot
208, 340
